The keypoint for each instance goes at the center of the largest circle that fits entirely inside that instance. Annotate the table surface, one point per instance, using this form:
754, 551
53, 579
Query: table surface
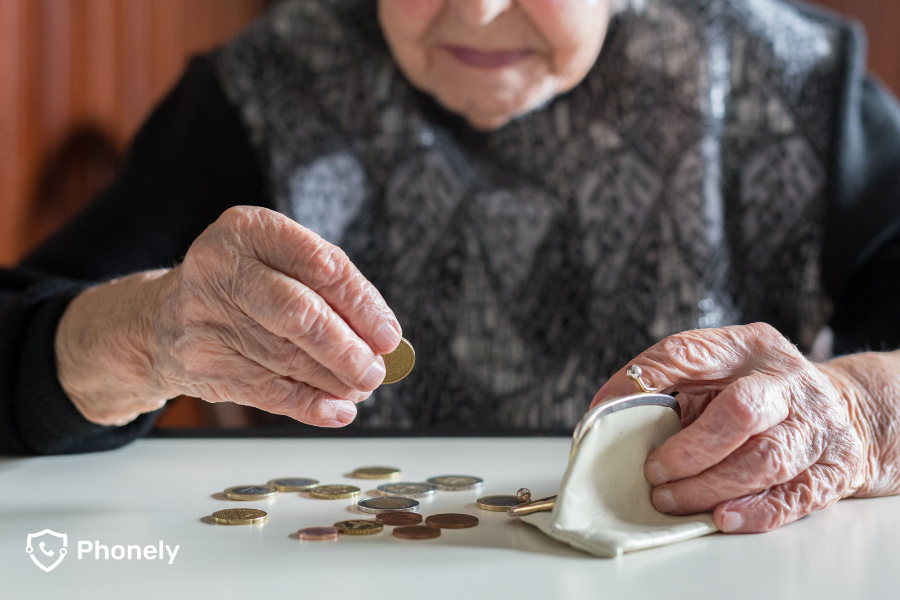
164, 490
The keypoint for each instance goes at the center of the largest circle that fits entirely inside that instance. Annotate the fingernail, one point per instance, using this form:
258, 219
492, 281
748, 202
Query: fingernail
655, 472
374, 376
732, 521
346, 412
663, 500
386, 337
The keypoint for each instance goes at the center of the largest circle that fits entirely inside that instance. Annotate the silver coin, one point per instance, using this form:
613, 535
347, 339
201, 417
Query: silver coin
250, 492
378, 506
294, 484
456, 482
407, 490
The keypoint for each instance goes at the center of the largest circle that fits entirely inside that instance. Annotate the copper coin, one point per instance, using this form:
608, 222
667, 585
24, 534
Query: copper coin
452, 521
318, 533
416, 532
399, 518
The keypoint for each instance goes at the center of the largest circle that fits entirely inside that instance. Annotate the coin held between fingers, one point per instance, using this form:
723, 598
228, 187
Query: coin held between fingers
399, 363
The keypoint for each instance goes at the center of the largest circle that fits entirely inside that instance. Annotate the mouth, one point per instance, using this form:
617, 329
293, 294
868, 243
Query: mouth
486, 59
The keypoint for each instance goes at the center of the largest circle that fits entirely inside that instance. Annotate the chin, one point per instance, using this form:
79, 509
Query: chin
494, 114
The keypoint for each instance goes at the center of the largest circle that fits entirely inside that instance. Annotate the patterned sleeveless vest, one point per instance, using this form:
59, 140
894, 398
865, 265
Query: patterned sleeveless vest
681, 184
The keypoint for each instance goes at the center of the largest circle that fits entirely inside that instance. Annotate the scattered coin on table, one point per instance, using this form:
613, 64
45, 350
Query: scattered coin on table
416, 532
376, 473
385, 505
359, 527
407, 489
399, 363
454, 483
452, 521
239, 516
318, 533
399, 518
334, 492
294, 484
250, 492
497, 503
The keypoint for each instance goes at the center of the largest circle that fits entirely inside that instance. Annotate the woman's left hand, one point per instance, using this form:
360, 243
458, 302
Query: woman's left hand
767, 436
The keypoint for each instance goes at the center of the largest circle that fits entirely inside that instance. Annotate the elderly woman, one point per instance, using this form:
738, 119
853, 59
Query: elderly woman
538, 191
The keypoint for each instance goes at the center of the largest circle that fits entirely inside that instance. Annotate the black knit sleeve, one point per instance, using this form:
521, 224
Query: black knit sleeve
191, 161
862, 253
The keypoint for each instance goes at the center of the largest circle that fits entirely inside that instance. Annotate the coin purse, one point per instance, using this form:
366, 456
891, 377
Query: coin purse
604, 506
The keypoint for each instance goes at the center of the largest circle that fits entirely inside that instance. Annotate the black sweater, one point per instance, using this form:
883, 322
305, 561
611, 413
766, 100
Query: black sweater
192, 160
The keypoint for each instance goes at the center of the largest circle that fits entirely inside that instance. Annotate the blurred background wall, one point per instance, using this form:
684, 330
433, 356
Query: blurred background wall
78, 77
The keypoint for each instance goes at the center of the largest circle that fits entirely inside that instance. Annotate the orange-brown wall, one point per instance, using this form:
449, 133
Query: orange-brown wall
65, 63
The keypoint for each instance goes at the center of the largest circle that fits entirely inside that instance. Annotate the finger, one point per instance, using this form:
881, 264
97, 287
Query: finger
766, 460
705, 360
288, 309
816, 488
749, 406
280, 356
249, 384
290, 248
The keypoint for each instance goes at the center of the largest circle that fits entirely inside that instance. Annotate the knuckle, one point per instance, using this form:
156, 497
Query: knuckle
304, 315
766, 461
743, 410
327, 265
691, 352
237, 217
274, 394
773, 513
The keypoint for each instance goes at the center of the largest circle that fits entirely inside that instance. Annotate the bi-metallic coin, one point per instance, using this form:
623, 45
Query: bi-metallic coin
359, 527
407, 489
294, 484
453, 483
250, 492
399, 363
239, 516
391, 504
334, 492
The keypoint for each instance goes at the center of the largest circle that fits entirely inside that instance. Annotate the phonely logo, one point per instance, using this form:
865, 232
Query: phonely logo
59, 541
48, 555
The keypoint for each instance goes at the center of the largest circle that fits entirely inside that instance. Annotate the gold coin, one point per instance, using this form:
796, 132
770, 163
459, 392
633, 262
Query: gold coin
239, 516
334, 492
497, 503
399, 363
376, 473
294, 484
359, 527
250, 492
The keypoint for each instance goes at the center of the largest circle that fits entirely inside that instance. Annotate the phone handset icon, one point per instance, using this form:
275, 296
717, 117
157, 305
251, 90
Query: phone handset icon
44, 550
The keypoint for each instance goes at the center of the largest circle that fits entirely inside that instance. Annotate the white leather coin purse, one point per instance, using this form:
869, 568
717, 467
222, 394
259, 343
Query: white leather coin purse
603, 506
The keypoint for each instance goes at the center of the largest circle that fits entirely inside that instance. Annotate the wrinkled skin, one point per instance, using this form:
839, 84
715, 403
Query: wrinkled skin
262, 312
767, 436
561, 37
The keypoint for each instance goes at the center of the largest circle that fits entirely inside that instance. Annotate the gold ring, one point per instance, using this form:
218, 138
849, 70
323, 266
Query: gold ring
634, 372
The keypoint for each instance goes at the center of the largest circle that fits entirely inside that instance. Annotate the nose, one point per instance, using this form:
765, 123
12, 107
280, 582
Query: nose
481, 12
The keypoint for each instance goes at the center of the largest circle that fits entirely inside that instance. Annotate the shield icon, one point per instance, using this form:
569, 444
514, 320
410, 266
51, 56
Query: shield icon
59, 553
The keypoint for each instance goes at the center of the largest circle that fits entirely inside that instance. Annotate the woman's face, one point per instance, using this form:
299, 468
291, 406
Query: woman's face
492, 60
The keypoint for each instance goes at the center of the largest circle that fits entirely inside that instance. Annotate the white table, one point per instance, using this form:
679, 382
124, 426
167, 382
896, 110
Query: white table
162, 489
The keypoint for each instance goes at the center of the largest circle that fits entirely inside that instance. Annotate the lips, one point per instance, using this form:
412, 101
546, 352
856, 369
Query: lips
486, 59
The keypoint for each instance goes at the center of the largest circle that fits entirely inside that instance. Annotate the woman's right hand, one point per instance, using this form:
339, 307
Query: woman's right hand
261, 312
